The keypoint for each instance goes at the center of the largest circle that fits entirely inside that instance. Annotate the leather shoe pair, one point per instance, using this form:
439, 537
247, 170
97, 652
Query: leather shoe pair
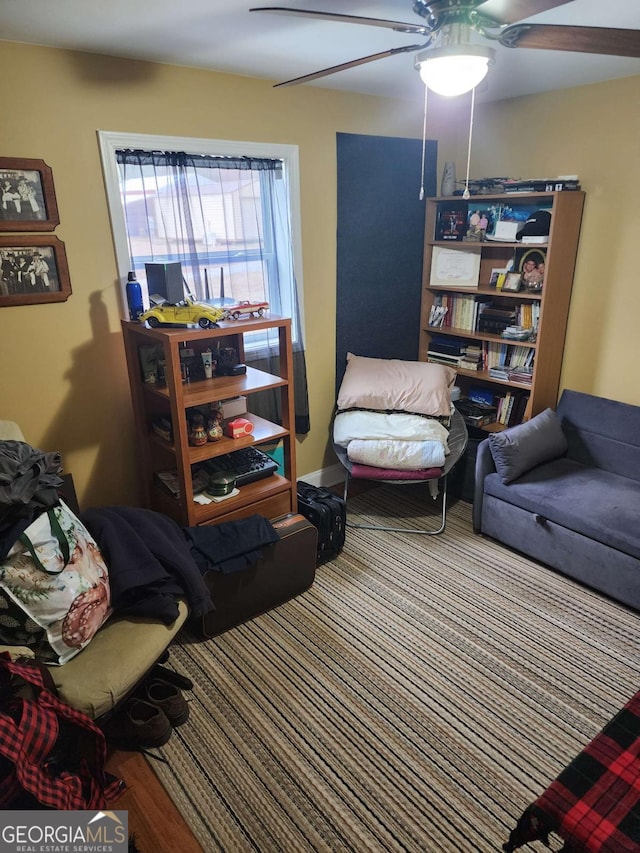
168, 699
139, 724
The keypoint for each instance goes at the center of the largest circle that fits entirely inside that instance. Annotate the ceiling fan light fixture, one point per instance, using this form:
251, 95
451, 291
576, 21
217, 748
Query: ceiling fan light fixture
455, 69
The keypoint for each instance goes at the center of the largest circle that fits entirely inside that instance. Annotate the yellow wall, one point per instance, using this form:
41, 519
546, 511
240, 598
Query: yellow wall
63, 371
592, 131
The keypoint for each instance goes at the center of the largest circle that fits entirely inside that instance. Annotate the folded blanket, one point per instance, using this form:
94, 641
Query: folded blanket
390, 453
369, 472
379, 425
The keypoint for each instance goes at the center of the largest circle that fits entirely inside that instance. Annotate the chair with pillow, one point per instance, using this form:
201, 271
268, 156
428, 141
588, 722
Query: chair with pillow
395, 424
95, 659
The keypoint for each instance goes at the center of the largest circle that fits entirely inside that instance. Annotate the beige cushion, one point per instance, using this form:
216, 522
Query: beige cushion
117, 657
391, 384
10, 431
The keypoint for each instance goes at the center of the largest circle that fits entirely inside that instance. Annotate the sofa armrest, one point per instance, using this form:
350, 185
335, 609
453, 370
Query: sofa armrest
484, 466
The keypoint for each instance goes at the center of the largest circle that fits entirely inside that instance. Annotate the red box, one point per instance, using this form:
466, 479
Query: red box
239, 427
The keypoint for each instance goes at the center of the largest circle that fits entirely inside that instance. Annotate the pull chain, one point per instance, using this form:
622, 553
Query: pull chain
424, 144
466, 193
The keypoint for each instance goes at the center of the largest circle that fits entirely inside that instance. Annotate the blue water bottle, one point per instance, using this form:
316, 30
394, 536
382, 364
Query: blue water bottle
134, 296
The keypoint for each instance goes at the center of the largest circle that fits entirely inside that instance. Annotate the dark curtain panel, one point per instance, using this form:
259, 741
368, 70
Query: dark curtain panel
380, 245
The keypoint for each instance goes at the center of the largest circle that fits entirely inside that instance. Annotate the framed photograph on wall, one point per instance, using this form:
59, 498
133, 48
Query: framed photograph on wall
33, 269
27, 197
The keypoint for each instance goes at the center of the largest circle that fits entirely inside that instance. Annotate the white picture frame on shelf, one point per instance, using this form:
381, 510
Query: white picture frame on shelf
455, 267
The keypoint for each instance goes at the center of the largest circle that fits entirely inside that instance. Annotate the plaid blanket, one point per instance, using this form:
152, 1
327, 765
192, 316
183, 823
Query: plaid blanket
594, 804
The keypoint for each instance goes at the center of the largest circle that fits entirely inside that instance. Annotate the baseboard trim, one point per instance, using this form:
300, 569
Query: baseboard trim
325, 476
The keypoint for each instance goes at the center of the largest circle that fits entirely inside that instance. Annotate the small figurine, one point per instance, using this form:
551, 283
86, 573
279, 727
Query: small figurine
197, 432
214, 424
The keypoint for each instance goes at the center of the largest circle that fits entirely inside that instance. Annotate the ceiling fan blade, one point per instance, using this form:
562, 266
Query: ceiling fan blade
352, 64
604, 40
399, 26
510, 11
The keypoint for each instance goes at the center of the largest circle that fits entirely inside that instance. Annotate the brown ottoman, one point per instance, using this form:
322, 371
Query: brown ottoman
286, 569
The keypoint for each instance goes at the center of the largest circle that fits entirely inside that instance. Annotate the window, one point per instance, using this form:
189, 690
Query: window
227, 211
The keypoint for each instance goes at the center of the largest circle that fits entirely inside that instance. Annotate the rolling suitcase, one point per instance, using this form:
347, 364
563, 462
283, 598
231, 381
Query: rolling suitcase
285, 569
327, 512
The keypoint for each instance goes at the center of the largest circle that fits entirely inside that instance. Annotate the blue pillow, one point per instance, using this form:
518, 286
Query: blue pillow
520, 448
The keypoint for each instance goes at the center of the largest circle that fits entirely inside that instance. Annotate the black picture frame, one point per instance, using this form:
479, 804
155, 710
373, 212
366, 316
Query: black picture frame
33, 269
27, 195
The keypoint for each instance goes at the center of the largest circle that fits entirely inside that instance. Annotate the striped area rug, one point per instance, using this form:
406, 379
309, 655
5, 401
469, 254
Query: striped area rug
416, 698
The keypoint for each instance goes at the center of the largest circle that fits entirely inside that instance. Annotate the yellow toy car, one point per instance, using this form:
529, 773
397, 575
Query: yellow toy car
186, 313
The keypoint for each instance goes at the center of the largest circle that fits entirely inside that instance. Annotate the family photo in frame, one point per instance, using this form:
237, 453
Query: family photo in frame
530, 263
33, 268
27, 196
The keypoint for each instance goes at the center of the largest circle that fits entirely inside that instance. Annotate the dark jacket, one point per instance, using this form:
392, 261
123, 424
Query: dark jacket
149, 561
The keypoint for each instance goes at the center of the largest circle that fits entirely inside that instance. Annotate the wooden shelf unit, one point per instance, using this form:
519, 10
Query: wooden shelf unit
554, 299
272, 496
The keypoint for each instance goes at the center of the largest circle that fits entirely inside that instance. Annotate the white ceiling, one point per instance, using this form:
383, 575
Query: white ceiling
224, 36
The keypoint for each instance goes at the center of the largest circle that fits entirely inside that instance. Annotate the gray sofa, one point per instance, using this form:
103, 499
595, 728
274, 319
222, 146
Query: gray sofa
575, 507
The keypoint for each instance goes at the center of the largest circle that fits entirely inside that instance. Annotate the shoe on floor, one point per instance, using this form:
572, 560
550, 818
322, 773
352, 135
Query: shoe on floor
168, 698
166, 674
140, 724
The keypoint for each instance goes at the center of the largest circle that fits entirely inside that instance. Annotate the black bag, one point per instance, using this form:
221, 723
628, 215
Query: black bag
327, 512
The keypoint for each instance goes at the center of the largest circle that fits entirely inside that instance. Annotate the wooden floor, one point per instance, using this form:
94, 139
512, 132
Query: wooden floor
154, 820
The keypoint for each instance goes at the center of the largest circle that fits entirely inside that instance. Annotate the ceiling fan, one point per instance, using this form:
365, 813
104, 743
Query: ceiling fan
449, 24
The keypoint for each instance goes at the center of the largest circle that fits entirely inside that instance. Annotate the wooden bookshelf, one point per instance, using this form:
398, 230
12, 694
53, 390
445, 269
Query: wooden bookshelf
552, 302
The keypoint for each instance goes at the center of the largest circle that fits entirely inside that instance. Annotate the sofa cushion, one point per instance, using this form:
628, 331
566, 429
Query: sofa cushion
522, 447
592, 502
113, 663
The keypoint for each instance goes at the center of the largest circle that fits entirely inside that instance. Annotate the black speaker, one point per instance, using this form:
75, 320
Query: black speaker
166, 281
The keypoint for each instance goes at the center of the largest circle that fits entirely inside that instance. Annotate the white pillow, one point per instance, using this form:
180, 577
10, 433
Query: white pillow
381, 384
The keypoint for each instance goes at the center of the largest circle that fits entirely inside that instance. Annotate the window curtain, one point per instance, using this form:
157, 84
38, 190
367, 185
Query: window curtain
226, 219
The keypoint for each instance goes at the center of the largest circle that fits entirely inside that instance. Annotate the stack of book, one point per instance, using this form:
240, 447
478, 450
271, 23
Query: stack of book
446, 350
542, 185
495, 320
521, 374
518, 333
472, 359
456, 352
476, 414
500, 371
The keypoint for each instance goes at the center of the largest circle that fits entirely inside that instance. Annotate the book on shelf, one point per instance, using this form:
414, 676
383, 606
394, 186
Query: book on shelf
511, 407
521, 374
447, 345
518, 333
542, 185
498, 372
441, 358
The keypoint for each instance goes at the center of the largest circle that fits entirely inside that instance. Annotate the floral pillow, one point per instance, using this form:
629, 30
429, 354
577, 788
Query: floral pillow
54, 587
